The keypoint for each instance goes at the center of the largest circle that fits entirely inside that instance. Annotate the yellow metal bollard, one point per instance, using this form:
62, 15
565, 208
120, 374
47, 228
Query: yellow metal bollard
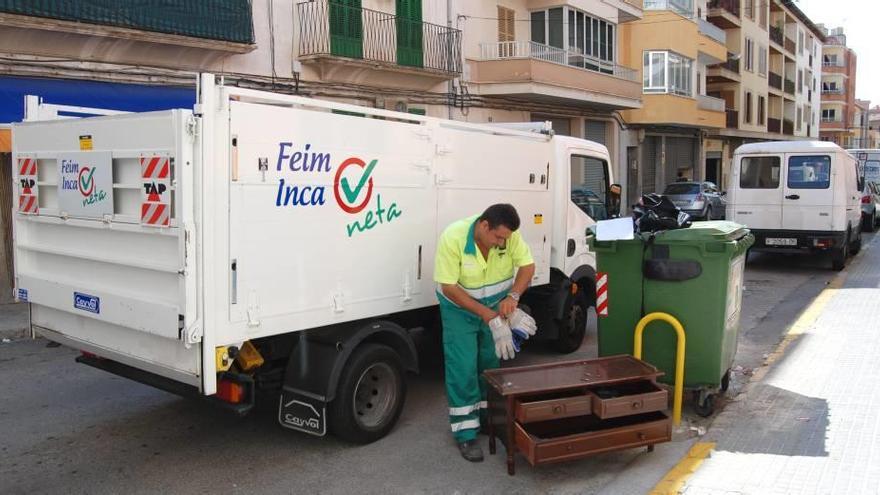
679, 356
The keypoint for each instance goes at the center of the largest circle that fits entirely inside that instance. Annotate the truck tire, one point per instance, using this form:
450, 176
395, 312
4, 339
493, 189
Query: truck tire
856, 246
370, 395
573, 325
839, 255
869, 223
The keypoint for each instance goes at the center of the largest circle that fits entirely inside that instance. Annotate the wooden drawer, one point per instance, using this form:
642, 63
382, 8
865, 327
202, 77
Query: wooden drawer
554, 441
629, 398
542, 409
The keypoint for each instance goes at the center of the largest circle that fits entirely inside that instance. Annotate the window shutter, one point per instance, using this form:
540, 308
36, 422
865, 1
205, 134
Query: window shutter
506, 19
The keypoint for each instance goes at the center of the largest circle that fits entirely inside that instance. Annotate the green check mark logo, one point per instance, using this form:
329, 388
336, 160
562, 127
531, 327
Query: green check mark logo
352, 195
86, 181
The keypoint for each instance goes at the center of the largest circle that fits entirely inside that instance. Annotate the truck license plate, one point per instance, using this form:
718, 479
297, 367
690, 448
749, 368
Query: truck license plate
777, 241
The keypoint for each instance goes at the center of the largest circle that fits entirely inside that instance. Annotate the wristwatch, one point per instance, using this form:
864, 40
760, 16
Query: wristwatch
513, 295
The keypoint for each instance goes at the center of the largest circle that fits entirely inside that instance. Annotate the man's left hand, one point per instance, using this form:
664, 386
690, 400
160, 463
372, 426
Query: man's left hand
507, 306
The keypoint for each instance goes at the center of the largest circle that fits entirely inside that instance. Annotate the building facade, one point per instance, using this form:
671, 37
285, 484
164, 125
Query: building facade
839, 64
770, 80
671, 46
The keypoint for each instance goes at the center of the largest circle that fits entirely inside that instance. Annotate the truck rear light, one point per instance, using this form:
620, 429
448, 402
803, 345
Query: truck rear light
822, 243
90, 355
230, 391
866, 199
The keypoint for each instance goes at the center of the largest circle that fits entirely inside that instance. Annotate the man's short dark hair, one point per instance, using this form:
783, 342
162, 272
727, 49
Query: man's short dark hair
501, 214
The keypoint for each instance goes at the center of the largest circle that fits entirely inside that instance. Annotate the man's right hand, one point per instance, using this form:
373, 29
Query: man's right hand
503, 337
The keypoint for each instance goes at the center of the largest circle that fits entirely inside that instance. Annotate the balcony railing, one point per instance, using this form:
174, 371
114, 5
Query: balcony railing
775, 80
732, 119
712, 31
789, 86
732, 63
832, 91
835, 63
774, 125
777, 36
681, 7
830, 119
731, 6
710, 103
506, 50
790, 45
331, 28
787, 127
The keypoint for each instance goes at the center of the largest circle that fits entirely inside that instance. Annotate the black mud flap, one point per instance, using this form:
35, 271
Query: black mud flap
302, 412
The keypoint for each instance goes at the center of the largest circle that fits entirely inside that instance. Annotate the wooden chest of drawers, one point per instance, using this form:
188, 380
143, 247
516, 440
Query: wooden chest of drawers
569, 410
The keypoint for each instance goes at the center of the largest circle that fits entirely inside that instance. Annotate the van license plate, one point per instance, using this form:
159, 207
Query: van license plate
776, 241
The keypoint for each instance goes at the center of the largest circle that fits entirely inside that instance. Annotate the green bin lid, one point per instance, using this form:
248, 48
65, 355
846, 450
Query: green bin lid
719, 231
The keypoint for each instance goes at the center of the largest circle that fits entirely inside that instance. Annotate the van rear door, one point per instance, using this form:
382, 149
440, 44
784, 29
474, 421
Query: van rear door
757, 201
809, 196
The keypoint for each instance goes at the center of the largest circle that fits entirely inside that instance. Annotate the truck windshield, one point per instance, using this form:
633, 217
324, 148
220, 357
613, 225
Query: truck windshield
809, 172
589, 186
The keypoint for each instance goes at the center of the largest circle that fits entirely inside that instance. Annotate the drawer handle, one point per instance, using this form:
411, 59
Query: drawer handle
641, 436
557, 409
569, 447
637, 405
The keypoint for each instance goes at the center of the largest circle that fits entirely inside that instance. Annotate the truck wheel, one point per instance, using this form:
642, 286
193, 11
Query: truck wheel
839, 255
857, 243
869, 223
370, 396
573, 325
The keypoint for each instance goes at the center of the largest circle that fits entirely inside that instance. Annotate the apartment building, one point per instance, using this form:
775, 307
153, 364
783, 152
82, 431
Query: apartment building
770, 80
860, 126
839, 109
671, 45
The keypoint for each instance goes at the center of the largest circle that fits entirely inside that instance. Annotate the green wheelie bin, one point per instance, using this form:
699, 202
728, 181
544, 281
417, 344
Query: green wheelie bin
694, 274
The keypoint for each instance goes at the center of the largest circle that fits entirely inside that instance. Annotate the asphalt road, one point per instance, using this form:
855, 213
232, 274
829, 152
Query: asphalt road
68, 428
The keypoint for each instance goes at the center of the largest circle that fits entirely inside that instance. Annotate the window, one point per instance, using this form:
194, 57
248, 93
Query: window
829, 114
802, 48
762, 10
761, 112
589, 186
579, 33
750, 55
759, 172
800, 81
748, 109
762, 60
506, 23
667, 72
749, 7
809, 172
799, 118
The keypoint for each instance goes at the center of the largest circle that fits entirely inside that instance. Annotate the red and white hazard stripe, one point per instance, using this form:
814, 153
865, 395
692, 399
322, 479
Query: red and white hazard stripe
27, 166
155, 167
155, 214
27, 203
602, 294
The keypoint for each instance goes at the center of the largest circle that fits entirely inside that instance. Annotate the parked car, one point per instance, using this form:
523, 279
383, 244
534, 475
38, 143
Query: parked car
870, 206
700, 200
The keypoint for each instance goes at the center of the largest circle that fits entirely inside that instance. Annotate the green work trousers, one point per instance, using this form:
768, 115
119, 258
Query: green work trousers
468, 350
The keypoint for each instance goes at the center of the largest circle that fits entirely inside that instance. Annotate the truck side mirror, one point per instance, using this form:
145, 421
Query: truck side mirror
614, 200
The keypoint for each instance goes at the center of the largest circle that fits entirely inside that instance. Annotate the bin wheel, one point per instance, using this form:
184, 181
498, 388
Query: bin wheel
704, 404
725, 381
573, 326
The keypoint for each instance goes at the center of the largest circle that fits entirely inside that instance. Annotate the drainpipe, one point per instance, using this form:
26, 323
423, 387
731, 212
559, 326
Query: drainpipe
450, 84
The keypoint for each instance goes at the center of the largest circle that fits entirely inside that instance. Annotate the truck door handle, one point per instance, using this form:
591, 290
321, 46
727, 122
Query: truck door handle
792, 196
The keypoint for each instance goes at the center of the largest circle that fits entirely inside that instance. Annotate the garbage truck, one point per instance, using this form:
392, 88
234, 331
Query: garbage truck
281, 246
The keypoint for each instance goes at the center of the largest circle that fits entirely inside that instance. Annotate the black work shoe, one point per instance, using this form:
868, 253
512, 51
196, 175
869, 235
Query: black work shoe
471, 451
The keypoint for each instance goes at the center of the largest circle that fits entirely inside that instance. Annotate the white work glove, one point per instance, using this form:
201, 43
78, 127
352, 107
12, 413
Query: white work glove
520, 320
503, 337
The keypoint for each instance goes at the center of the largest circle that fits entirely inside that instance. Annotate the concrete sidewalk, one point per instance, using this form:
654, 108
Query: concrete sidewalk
811, 423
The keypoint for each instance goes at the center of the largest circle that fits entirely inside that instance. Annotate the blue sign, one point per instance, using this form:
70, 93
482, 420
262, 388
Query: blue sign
23, 295
86, 302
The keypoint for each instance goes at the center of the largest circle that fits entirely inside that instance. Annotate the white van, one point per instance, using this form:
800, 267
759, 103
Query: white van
798, 196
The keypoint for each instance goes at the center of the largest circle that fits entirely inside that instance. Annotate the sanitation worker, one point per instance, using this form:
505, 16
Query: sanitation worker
482, 268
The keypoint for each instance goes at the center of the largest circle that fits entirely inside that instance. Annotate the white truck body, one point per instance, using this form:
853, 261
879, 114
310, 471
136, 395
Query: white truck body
286, 214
